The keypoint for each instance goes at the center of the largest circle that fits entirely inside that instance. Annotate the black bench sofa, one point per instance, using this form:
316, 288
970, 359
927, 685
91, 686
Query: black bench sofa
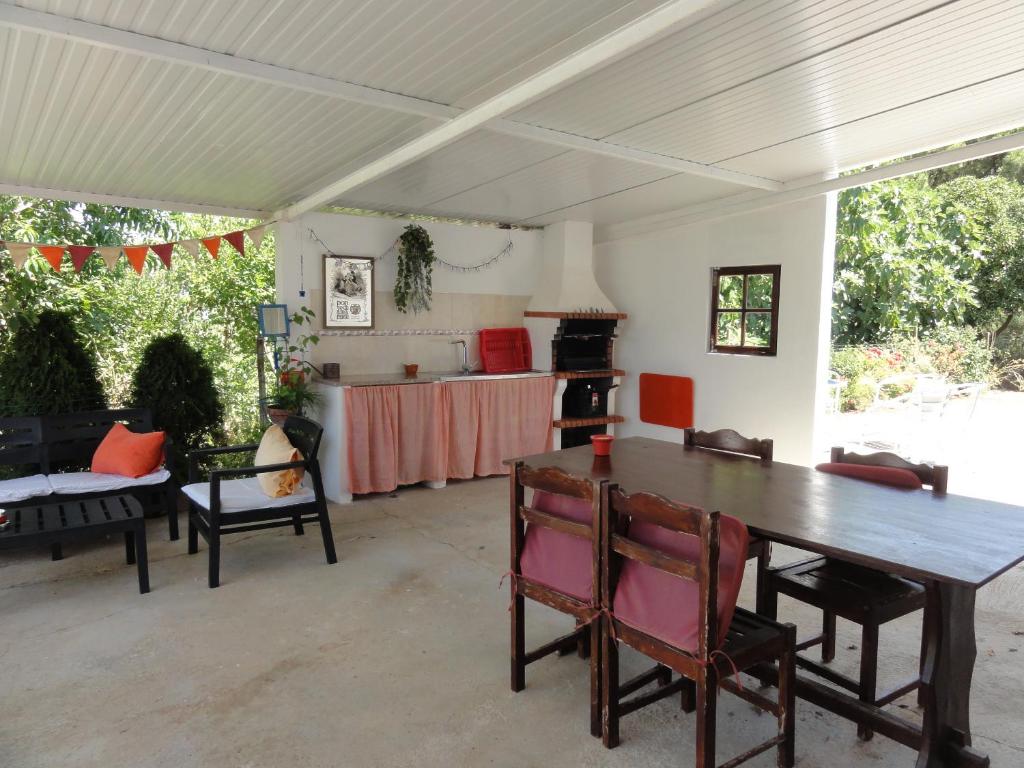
51, 451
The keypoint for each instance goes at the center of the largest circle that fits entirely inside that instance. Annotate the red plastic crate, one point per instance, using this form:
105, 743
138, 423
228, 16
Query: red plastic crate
505, 350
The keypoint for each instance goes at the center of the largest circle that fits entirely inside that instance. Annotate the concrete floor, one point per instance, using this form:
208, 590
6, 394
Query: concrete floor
396, 656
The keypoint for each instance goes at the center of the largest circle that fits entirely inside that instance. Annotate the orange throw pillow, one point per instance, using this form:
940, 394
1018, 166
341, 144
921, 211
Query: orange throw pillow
132, 454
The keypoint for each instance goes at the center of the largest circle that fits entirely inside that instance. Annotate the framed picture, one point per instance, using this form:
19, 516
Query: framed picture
348, 292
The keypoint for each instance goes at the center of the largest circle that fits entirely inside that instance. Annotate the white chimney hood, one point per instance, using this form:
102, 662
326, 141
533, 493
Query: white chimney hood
567, 282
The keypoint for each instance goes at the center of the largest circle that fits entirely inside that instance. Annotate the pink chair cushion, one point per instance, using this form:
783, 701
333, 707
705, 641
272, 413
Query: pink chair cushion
555, 559
894, 476
668, 607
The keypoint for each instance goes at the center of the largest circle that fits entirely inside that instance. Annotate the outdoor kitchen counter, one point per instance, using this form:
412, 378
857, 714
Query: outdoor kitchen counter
391, 379
379, 435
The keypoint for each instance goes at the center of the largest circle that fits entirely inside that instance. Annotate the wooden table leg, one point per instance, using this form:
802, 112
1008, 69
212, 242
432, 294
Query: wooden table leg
948, 669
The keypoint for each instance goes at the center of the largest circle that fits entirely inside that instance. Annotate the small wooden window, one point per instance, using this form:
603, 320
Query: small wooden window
745, 310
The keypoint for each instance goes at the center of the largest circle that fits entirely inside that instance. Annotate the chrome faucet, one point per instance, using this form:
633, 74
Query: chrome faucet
465, 355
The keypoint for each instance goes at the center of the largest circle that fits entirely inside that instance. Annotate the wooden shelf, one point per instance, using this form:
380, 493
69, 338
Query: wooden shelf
589, 374
578, 315
591, 422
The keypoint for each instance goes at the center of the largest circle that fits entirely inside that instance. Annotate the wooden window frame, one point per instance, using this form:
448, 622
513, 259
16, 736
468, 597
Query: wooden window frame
775, 270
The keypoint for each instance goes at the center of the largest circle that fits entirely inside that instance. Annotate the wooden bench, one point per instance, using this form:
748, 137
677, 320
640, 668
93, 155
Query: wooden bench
45, 447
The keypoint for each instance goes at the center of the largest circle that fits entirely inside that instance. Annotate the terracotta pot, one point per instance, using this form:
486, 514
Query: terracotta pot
411, 369
602, 444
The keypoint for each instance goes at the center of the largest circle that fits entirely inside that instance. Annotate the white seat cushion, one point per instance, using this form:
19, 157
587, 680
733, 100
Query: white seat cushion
245, 493
97, 482
21, 488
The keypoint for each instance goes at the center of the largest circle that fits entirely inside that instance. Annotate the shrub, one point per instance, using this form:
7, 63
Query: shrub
176, 384
45, 368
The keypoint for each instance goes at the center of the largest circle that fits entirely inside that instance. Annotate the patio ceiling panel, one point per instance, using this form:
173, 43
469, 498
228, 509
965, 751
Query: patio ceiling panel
982, 110
443, 51
740, 43
845, 85
566, 180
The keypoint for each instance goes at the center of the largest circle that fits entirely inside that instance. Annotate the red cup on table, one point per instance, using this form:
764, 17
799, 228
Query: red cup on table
602, 444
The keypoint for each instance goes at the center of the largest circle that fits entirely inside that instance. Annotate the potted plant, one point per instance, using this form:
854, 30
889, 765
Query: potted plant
293, 391
413, 288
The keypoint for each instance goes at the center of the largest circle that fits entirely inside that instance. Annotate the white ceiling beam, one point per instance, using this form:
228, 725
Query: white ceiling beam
43, 193
213, 61
747, 202
600, 53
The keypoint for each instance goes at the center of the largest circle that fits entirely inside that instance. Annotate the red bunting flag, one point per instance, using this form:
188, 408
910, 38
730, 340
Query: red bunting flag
53, 254
136, 255
237, 239
212, 245
79, 253
163, 250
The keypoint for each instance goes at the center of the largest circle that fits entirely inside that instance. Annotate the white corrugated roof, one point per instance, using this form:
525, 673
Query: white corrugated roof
780, 89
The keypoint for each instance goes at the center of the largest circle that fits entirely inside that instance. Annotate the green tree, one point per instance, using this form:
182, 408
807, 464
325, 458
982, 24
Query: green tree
996, 206
46, 369
175, 383
904, 261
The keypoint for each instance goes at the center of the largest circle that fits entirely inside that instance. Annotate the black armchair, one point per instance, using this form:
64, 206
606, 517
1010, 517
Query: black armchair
232, 501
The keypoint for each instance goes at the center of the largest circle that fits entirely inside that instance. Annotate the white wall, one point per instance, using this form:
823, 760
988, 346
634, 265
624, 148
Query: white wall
492, 297
663, 281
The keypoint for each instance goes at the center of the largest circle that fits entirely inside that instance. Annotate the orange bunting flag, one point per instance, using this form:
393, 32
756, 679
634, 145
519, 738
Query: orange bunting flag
163, 250
136, 255
212, 245
237, 239
79, 253
19, 252
256, 234
53, 254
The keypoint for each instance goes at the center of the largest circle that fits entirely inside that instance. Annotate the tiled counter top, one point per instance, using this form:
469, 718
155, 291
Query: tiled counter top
388, 379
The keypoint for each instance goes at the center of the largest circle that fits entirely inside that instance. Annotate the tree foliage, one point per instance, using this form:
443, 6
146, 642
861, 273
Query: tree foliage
210, 302
46, 369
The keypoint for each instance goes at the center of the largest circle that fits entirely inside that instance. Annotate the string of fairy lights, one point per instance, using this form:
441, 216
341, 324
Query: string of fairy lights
505, 251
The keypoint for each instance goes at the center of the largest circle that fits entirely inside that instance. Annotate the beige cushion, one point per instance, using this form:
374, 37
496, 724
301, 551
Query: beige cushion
275, 448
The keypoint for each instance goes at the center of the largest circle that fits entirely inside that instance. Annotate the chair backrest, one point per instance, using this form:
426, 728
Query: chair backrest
935, 475
551, 480
305, 435
729, 441
20, 441
620, 511
72, 438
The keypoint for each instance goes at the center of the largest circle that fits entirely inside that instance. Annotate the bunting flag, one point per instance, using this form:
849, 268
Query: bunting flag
163, 250
53, 254
110, 254
79, 253
256, 235
19, 252
212, 245
136, 255
237, 239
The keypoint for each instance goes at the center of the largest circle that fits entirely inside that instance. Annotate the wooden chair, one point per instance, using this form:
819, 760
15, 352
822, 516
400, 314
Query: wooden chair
685, 566
233, 502
862, 595
731, 441
555, 561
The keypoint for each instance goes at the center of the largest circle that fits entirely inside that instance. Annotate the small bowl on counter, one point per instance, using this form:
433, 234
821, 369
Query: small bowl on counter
602, 444
411, 369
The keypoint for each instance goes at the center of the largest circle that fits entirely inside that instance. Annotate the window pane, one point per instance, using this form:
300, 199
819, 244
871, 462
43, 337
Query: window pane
759, 329
730, 292
759, 291
728, 332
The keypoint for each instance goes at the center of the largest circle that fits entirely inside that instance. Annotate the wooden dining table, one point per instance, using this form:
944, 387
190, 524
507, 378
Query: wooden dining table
953, 544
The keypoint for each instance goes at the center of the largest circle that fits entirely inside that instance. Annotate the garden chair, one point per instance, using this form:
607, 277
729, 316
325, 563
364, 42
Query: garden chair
555, 548
862, 595
233, 502
669, 582
730, 441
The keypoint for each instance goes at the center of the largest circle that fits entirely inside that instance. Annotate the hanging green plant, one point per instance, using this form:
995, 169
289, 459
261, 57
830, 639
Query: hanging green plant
415, 267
